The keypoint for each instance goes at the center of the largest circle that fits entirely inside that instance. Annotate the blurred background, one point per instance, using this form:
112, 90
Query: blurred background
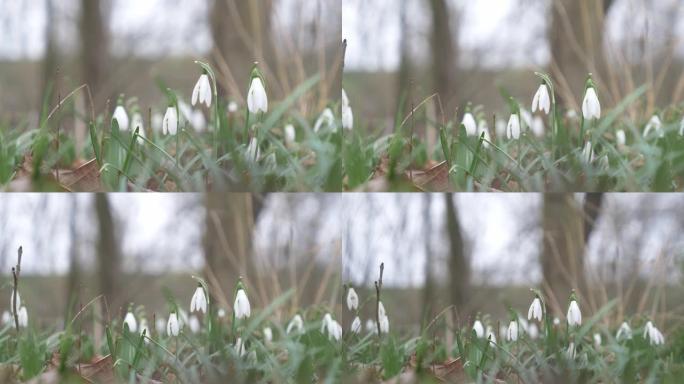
134, 248
50, 47
400, 53
482, 252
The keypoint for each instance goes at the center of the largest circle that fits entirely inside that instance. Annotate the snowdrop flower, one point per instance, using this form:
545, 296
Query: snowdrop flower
482, 127
654, 125
650, 332
241, 306
490, 335
371, 327
22, 315
624, 332
352, 299
194, 324
469, 123
513, 127
202, 91
240, 348
556, 321
290, 135
479, 329
157, 121
296, 324
570, 352
533, 331
591, 108
257, 101
597, 340
172, 326
525, 118
129, 320
574, 314
334, 330
199, 301
221, 313
500, 128
170, 122
268, 335
144, 329
588, 154
11, 306
356, 325
381, 309
160, 325
137, 123
538, 126
620, 137
541, 100
347, 114
512, 331
232, 107
325, 119
535, 311
253, 152
384, 324
121, 117
327, 318
6, 317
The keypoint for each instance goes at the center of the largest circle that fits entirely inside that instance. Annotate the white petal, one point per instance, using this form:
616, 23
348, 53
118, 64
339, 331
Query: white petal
196, 92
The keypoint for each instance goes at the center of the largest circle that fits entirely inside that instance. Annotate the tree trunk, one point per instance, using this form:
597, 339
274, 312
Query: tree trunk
50, 60
563, 248
593, 202
94, 49
459, 270
443, 52
108, 253
428, 287
74, 278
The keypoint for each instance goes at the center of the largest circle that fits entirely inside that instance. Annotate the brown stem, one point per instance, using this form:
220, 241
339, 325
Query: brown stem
15, 274
378, 286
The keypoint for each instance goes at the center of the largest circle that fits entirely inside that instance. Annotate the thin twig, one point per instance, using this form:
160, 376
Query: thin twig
15, 274
378, 287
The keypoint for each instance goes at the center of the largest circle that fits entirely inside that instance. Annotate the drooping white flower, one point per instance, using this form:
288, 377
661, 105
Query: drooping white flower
253, 152
199, 301
371, 327
334, 330
500, 128
384, 324
469, 124
257, 101
241, 306
482, 127
129, 320
620, 137
144, 328
574, 314
137, 122
232, 107
202, 91
597, 340
121, 117
556, 321
381, 309
326, 119
172, 326
194, 324
160, 324
513, 127
22, 315
6, 317
356, 325
588, 154
533, 331
479, 329
327, 318
512, 331
170, 122
347, 113
654, 125
591, 108
652, 334
570, 352
538, 126
221, 313
352, 299
541, 100
296, 324
535, 311
240, 348
268, 335
490, 335
290, 135
624, 332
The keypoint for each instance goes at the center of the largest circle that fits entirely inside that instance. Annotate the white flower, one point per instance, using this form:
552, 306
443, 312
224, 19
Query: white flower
194, 324
241, 306
620, 137
469, 124
240, 348
232, 107
384, 324
253, 152
334, 330
541, 100
371, 327
327, 118
652, 334
268, 335
654, 125
11, 307
347, 114
327, 318
500, 128
6, 317
538, 126
221, 313
381, 309
138, 123
512, 331
144, 329
625, 332
526, 119
129, 320
490, 335
356, 325
535, 311
574, 314
290, 135
591, 108
556, 321
513, 127
482, 127
22, 315
172, 326
160, 324
199, 301
533, 331
202, 91
257, 101
597, 340
170, 122
588, 154
121, 117
352, 299
570, 353
296, 324
479, 329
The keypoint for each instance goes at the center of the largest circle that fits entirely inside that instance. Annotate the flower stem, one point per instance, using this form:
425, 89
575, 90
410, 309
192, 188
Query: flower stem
378, 287
15, 275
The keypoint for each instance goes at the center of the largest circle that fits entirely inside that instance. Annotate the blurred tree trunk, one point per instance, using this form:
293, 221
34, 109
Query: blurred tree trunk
74, 278
563, 247
443, 51
576, 40
459, 270
428, 288
404, 73
593, 202
49, 89
108, 253
241, 32
94, 49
